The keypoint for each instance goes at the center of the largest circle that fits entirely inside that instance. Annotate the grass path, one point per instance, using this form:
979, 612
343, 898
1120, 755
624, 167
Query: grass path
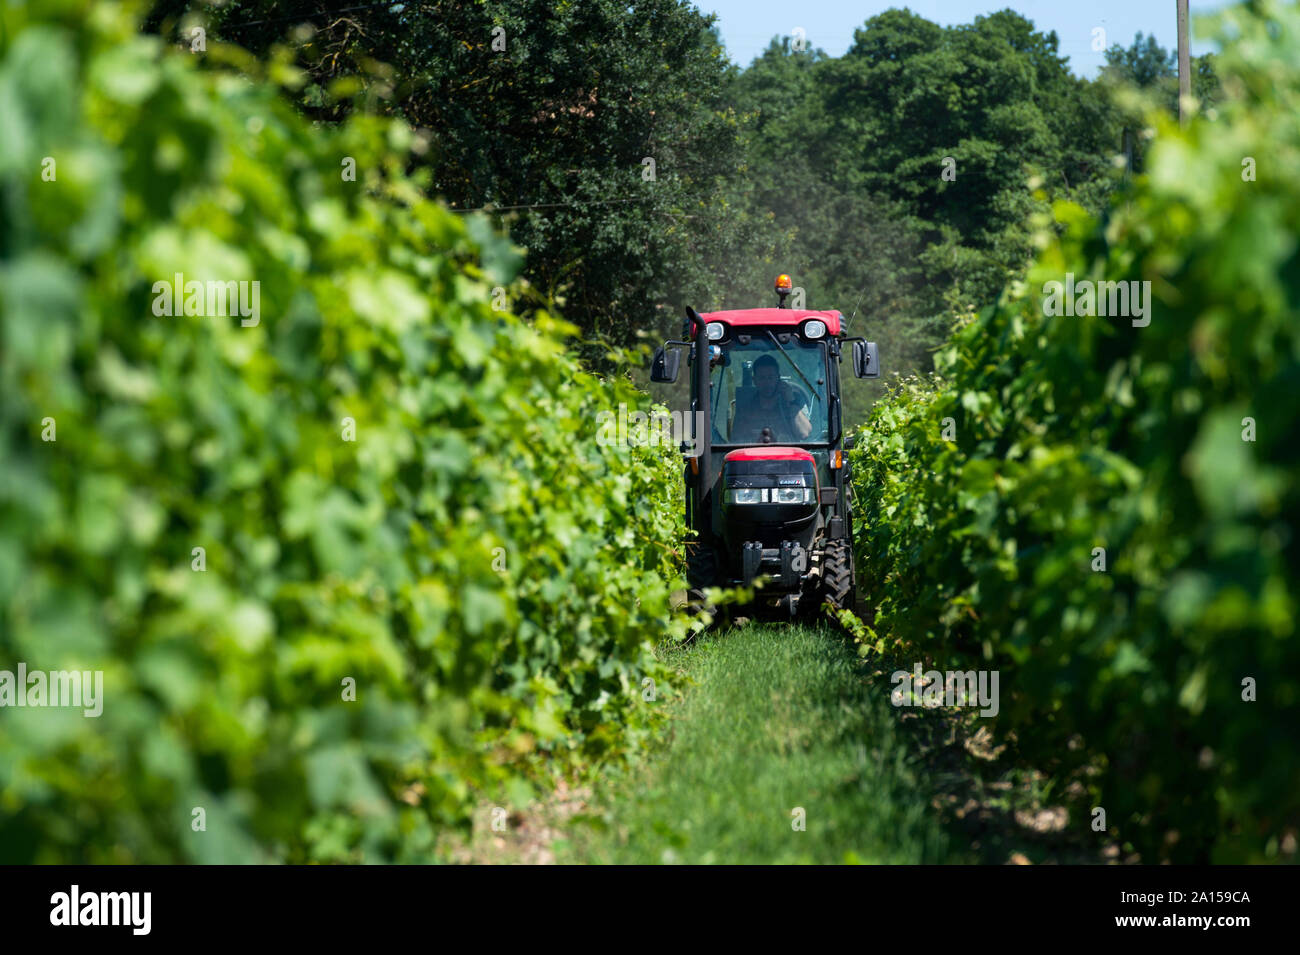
781, 718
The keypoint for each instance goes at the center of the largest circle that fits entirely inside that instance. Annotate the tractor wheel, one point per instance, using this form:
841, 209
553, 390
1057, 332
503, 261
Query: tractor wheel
837, 576
702, 572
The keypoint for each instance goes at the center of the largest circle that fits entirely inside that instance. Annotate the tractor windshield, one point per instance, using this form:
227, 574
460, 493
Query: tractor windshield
770, 384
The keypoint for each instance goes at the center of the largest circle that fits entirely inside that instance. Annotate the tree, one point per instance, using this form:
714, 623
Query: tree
1145, 74
595, 132
848, 157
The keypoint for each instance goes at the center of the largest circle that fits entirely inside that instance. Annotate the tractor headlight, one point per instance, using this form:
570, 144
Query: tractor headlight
769, 495
714, 331
791, 495
814, 328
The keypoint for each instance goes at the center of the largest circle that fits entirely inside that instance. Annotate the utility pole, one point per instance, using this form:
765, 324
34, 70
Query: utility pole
1184, 66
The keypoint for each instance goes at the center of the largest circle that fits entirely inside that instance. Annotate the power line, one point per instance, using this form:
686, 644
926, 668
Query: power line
318, 13
548, 205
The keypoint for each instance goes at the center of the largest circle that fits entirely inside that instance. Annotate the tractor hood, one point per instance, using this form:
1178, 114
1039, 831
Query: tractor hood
768, 452
771, 466
768, 486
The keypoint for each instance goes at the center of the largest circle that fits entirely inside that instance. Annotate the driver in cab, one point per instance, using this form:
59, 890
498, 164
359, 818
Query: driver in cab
775, 405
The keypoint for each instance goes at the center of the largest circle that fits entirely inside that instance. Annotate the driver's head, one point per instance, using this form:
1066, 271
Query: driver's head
766, 376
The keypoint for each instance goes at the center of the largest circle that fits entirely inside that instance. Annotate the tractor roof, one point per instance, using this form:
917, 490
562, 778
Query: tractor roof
791, 317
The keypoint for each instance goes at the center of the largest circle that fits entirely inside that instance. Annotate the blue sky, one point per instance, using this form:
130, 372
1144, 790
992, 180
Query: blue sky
748, 25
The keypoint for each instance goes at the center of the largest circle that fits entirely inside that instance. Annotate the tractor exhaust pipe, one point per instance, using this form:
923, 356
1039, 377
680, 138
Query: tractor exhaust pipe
702, 421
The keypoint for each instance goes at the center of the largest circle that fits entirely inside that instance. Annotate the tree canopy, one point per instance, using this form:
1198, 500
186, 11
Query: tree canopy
642, 171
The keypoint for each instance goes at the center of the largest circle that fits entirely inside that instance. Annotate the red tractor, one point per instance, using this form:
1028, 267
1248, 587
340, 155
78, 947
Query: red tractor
767, 490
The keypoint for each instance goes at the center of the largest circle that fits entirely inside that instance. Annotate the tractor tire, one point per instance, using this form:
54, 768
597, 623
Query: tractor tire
701, 565
702, 572
838, 572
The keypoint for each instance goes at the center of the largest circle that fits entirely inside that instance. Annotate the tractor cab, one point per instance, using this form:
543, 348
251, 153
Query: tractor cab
767, 495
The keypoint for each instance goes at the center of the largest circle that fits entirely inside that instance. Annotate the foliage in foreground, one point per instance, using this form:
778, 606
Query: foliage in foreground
1070, 434
489, 575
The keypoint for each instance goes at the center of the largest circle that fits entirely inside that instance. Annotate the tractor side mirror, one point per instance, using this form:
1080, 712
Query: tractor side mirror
667, 362
866, 362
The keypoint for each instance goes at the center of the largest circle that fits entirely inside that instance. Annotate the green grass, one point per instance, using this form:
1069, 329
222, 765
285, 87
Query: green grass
779, 717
